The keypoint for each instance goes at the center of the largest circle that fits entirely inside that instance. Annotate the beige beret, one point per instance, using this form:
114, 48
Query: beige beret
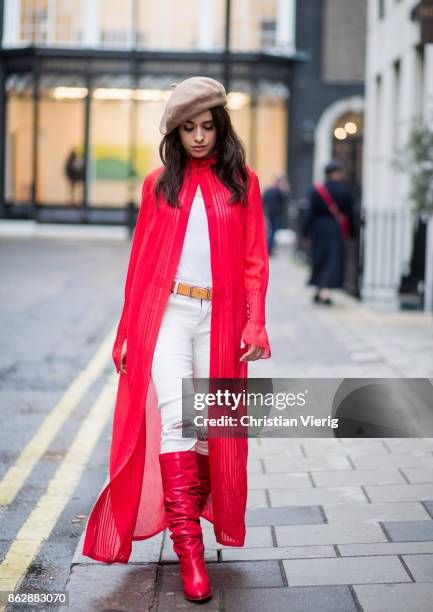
189, 98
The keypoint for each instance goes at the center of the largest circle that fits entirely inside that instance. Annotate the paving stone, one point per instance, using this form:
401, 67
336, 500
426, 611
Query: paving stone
168, 554
259, 452
350, 570
397, 460
281, 552
420, 566
175, 600
257, 499
293, 446
409, 445
365, 356
429, 507
281, 481
143, 551
389, 548
295, 599
254, 466
418, 475
290, 515
341, 533
316, 496
255, 537
252, 574
395, 597
396, 493
409, 531
364, 448
120, 587
358, 477
396, 511
307, 464
319, 446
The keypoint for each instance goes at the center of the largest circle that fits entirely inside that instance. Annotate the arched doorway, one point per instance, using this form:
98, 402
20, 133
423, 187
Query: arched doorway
347, 139
324, 139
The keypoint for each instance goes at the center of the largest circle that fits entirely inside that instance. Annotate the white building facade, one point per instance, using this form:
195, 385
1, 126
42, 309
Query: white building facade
399, 91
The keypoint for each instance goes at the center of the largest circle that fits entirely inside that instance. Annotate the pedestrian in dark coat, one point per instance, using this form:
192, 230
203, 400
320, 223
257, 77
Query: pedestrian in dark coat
275, 200
327, 255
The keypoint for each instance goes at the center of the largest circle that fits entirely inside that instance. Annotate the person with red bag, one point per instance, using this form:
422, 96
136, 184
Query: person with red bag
328, 223
194, 306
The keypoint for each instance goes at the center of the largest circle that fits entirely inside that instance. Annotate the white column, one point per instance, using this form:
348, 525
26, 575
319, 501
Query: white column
428, 116
385, 182
286, 20
244, 11
51, 23
205, 26
134, 23
11, 26
92, 23
409, 106
428, 286
369, 193
428, 83
165, 38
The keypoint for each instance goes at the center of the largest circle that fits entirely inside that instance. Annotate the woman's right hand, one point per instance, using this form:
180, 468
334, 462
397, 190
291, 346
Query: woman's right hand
123, 357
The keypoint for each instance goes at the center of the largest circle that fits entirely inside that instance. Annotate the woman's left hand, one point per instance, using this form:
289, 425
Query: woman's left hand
254, 352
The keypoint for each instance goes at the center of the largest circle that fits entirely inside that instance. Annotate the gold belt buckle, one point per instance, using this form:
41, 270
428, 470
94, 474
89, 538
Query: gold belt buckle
207, 289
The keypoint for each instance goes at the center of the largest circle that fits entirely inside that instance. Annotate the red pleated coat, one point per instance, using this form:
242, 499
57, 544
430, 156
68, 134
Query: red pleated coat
130, 507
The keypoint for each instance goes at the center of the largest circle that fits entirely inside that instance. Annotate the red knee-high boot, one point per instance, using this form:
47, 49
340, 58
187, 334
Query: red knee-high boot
181, 487
204, 477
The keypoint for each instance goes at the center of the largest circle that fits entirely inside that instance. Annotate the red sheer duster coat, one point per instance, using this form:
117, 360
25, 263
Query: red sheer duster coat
130, 507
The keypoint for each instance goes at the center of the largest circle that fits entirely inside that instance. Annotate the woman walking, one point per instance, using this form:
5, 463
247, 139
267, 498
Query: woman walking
329, 221
194, 306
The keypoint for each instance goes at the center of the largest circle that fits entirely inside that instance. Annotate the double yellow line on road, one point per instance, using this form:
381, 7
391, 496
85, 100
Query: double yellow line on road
15, 477
43, 517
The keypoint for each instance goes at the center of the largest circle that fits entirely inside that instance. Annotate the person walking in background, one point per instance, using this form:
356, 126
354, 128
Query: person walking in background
328, 222
275, 201
194, 307
74, 170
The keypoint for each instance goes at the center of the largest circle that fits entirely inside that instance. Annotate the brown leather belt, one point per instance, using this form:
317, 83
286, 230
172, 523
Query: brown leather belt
202, 293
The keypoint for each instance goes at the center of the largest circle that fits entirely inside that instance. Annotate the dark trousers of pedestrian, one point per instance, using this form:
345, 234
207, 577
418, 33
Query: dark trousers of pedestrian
273, 226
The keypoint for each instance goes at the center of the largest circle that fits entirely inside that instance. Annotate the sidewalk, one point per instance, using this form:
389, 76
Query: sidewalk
332, 525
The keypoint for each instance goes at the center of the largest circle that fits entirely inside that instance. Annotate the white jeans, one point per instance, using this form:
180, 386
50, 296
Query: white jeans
182, 350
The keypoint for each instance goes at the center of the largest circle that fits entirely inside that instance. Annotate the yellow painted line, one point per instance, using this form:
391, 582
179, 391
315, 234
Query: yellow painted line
51, 504
15, 477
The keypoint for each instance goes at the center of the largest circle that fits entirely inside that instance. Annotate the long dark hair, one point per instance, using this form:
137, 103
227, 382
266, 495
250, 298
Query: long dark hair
230, 166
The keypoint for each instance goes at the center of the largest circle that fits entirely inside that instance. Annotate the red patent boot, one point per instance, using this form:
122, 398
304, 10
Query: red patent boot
181, 487
204, 477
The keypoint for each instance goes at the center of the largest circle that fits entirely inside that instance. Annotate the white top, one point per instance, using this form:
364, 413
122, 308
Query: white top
194, 265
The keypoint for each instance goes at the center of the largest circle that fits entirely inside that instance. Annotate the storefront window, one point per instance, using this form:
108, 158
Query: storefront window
19, 134
110, 169
60, 176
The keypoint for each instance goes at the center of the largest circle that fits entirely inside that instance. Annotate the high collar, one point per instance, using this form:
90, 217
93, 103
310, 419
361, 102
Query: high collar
202, 164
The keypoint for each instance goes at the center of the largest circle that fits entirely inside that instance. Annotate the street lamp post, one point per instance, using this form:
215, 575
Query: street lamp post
227, 45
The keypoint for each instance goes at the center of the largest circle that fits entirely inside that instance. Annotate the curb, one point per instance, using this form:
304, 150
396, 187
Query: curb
32, 229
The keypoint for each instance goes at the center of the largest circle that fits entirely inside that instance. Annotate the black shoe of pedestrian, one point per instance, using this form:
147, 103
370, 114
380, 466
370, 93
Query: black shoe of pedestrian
316, 298
326, 301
